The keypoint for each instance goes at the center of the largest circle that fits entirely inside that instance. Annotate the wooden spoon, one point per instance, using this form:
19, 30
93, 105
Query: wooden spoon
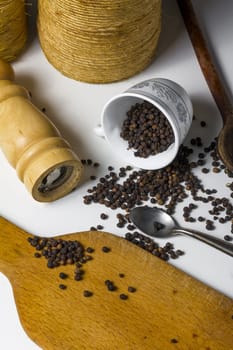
225, 144
168, 309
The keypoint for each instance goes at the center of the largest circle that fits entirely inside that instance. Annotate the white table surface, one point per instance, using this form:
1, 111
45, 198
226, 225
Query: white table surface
75, 108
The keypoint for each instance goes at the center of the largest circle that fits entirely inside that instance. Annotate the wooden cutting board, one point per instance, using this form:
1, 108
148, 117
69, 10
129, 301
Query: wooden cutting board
168, 310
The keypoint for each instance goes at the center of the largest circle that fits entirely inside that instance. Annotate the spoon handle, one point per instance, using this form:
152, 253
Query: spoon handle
212, 241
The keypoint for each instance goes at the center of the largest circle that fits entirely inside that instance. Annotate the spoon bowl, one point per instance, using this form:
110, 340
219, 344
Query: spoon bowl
156, 222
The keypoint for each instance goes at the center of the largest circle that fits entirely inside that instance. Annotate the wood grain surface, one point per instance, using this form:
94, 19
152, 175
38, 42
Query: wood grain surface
168, 310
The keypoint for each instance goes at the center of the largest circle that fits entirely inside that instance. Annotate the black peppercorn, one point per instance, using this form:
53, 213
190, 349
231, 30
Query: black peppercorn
174, 341
90, 250
106, 249
103, 216
87, 293
110, 285
123, 296
62, 286
63, 275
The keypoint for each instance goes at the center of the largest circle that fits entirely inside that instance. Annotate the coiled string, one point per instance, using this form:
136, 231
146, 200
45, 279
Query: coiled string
13, 29
99, 41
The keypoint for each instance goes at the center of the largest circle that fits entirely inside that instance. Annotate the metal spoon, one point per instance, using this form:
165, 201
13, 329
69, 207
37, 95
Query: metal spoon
157, 223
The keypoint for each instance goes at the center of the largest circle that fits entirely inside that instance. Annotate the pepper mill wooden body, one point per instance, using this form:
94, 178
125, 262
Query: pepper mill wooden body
43, 160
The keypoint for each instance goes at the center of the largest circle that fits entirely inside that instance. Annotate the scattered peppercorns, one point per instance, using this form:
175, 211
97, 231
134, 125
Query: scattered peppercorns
148, 244
61, 252
140, 185
166, 187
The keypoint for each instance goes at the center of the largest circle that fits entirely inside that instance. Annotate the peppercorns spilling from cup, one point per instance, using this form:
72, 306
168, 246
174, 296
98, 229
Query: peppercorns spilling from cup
168, 187
147, 130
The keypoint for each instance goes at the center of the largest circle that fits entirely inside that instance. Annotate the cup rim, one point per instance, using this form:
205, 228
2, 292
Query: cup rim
151, 161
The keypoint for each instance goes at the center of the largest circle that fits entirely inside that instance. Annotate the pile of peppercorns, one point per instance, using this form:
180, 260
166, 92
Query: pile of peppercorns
60, 252
147, 130
138, 186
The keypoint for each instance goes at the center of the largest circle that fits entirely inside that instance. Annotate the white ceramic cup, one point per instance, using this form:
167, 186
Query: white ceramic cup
169, 97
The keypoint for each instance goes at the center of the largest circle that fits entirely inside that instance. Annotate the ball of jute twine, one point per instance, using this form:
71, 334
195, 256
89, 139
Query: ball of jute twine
99, 41
13, 28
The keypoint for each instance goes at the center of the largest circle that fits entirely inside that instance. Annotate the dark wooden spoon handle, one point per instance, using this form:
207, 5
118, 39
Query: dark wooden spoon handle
205, 60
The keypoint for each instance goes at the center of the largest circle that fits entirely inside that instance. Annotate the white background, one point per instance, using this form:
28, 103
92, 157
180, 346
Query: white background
75, 109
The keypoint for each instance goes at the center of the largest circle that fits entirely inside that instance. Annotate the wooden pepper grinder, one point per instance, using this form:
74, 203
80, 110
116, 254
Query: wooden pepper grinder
43, 160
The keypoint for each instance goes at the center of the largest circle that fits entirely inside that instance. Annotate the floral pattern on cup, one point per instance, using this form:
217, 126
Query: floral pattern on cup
167, 94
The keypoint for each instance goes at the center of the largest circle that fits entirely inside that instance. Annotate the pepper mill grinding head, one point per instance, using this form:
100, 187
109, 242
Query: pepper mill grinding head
43, 160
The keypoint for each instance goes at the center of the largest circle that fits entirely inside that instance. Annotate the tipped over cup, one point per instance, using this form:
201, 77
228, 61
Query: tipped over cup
166, 96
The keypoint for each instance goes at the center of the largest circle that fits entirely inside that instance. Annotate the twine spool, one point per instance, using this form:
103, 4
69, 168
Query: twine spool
13, 29
99, 41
